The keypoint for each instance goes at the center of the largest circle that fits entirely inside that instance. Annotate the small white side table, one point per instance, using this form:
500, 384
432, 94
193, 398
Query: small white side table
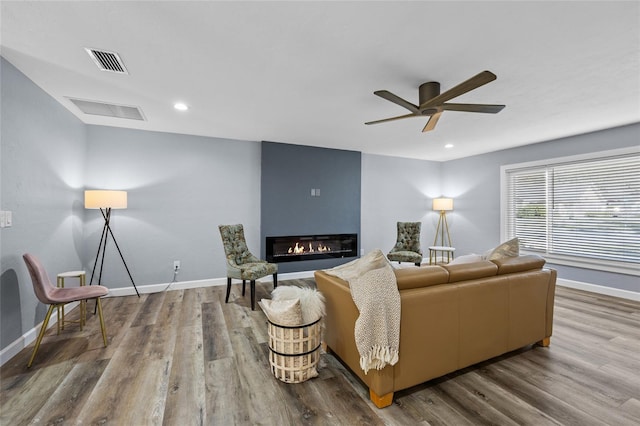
83, 303
433, 254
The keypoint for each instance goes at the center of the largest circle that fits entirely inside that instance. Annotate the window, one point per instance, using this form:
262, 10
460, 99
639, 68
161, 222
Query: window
578, 211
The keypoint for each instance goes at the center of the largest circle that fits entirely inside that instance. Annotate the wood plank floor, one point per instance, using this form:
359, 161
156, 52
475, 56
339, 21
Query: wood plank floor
186, 358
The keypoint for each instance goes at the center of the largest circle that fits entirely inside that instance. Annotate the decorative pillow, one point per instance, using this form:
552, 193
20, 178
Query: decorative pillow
467, 258
311, 300
375, 259
509, 248
283, 312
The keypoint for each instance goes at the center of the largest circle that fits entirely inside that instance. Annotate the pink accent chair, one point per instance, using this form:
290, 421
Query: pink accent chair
55, 297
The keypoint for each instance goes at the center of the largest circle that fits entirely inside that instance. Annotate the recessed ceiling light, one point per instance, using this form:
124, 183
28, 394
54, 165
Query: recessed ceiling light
449, 145
180, 106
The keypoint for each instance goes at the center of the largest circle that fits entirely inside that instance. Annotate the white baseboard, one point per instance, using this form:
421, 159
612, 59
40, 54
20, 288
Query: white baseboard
157, 288
30, 336
183, 285
600, 289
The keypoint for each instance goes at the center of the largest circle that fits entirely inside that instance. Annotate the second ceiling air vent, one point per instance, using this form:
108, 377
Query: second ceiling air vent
108, 109
107, 61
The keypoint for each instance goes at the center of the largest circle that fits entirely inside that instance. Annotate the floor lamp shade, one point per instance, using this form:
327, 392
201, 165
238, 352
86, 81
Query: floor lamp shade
443, 204
105, 199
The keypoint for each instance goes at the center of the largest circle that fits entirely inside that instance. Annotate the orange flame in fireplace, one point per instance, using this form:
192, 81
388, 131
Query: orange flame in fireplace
300, 249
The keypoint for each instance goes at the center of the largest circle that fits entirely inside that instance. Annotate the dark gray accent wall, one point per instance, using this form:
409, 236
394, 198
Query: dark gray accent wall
289, 173
474, 183
42, 156
180, 188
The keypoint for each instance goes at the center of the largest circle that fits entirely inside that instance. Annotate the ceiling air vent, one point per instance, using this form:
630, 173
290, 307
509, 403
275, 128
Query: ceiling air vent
108, 110
107, 61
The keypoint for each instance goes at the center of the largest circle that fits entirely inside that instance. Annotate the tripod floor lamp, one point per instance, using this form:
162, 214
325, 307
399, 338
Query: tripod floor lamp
443, 205
442, 232
105, 200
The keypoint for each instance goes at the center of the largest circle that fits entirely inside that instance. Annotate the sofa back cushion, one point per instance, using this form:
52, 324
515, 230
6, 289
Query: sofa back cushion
423, 276
510, 265
471, 271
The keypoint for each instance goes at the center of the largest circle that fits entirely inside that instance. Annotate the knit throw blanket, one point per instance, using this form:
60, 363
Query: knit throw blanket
375, 293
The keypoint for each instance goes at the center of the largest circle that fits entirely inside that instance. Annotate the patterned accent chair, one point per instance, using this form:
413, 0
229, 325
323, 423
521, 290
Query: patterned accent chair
407, 248
241, 264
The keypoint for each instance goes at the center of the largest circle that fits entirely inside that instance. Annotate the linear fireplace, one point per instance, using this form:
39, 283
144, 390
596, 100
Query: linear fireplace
294, 248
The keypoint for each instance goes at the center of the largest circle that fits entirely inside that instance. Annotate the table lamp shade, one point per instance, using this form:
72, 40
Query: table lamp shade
442, 204
100, 199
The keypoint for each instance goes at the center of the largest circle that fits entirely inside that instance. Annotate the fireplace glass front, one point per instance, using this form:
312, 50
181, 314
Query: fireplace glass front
309, 247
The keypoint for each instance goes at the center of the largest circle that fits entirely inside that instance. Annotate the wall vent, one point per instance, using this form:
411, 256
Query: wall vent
107, 61
108, 110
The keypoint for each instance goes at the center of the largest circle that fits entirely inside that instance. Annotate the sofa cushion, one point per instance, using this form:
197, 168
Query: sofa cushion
510, 265
509, 248
424, 276
471, 271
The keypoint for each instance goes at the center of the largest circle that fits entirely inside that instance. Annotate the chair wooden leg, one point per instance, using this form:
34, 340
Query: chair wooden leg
275, 280
253, 295
243, 284
102, 327
226, 299
41, 335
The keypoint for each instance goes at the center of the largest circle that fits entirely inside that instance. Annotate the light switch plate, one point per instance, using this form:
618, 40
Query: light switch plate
6, 219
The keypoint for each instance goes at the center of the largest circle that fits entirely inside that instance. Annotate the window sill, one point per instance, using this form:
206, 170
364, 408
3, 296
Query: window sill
596, 264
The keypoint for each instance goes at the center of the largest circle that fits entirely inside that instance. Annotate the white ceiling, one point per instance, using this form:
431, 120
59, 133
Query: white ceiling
304, 72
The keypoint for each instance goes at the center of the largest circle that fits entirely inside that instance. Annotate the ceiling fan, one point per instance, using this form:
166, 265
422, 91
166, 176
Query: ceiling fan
432, 102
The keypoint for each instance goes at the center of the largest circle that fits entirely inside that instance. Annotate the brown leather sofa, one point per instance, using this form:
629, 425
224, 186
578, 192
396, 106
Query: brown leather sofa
452, 316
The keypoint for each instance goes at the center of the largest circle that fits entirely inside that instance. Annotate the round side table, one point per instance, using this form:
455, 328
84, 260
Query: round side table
433, 254
83, 304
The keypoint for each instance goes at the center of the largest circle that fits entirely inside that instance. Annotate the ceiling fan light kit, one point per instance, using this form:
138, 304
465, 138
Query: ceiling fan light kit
432, 103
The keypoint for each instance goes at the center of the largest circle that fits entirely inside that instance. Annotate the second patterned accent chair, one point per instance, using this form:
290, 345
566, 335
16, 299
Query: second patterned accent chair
241, 264
407, 248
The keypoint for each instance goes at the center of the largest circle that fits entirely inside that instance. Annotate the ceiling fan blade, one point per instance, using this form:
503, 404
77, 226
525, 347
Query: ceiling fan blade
384, 120
431, 124
486, 108
385, 94
466, 86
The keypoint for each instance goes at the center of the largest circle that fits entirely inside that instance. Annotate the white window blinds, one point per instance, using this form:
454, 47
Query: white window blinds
587, 209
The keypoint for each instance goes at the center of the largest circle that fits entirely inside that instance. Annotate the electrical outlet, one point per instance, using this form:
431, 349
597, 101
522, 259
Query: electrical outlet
176, 265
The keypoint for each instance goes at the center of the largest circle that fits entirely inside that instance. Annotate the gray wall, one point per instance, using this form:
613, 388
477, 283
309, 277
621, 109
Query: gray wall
42, 161
180, 188
474, 183
397, 190
289, 172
